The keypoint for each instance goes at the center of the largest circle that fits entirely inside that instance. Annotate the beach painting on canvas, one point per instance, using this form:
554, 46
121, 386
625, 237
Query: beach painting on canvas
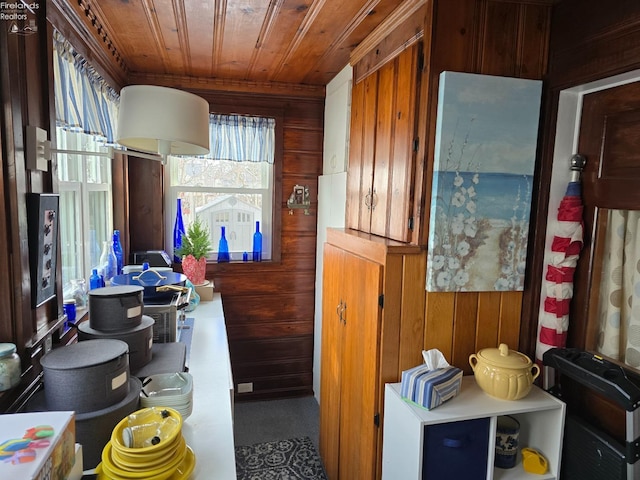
486, 135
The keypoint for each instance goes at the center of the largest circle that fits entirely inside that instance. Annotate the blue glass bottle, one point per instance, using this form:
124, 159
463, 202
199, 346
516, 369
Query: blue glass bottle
257, 244
178, 232
223, 248
95, 280
117, 249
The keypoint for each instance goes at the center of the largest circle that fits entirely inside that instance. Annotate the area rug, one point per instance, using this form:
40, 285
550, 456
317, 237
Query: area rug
293, 459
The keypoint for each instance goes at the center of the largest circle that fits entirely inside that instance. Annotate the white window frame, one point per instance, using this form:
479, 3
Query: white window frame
266, 224
82, 189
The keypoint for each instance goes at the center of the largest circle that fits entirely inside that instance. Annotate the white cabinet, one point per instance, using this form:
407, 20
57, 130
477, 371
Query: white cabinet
541, 418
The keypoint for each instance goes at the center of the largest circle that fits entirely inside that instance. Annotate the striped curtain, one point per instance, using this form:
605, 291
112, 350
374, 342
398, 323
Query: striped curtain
241, 138
84, 101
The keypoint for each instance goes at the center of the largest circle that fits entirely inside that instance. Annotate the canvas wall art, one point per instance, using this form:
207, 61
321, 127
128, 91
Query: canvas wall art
486, 135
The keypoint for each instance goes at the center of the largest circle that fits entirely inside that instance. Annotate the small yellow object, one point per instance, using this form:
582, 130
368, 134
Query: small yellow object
533, 461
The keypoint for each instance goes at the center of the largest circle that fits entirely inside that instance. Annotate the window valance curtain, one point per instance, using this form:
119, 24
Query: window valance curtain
241, 138
84, 101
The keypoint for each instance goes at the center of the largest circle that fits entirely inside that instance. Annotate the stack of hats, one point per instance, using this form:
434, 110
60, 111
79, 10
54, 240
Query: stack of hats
92, 378
116, 313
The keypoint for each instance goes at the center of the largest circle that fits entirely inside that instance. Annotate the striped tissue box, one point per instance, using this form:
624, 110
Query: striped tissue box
430, 388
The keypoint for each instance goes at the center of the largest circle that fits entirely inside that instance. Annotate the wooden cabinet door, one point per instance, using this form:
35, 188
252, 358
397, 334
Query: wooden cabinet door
360, 368
364, 100
330, 372
381, 153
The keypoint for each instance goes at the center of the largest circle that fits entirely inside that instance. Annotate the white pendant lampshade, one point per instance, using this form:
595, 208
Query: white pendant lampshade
163, 120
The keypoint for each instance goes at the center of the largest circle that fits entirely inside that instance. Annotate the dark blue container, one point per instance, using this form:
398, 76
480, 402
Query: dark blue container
95, 280
456, 450
117, 249
257, 244
223, 248
178, 232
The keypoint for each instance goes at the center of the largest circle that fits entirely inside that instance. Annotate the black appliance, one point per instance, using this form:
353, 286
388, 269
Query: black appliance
155, 258
589, 453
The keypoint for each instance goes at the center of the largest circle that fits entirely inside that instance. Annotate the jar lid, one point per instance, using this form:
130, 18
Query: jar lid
503, 357
7, 349
69, 301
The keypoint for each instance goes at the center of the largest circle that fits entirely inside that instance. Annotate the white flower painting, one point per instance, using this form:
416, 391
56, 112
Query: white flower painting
485, 151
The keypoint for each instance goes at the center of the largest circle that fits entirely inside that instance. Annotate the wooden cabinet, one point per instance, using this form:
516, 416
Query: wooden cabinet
406, 448
372, 324
383, 147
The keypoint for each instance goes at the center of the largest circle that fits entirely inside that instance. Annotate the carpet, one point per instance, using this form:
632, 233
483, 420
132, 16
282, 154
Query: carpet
293, 459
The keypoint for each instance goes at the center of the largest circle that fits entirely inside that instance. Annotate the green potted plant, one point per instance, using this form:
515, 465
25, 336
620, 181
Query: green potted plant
196, 246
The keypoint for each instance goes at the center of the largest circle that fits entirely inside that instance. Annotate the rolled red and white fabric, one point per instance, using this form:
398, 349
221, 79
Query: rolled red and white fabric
553, 321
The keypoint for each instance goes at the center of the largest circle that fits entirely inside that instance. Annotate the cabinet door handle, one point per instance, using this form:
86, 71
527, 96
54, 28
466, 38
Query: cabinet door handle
374, 199
367, 200
339, 310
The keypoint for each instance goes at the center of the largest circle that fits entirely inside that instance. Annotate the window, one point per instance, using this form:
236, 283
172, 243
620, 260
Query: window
86, 216
86, 112
232, 187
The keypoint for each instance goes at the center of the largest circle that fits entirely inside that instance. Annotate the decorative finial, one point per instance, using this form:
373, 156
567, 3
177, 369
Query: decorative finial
577, 166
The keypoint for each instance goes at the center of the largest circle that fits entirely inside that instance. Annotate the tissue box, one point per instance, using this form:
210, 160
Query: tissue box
429, 388
38, 446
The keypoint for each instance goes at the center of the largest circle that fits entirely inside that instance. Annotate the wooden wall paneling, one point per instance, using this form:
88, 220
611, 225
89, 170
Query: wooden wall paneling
390, 334
121, 198
464, 330
146, 204
510, 318
438, 318
413, 307
269, 307
487, 328
500, 29
533, 59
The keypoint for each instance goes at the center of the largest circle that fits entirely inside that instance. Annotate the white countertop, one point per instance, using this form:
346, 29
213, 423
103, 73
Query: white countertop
209, 429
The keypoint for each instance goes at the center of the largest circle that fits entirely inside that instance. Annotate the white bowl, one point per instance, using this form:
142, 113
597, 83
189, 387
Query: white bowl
167, 385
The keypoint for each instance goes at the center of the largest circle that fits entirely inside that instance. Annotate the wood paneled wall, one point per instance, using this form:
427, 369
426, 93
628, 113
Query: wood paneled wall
507, 38
269, 306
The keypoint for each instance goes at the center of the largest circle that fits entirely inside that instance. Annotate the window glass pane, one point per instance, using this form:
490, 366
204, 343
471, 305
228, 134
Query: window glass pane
100, 218
70, 236
236, 212
202, 172
86, 215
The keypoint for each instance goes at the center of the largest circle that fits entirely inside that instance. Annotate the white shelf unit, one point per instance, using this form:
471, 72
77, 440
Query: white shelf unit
541, 418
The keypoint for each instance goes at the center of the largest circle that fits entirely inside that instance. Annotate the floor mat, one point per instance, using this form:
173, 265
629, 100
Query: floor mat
293, 459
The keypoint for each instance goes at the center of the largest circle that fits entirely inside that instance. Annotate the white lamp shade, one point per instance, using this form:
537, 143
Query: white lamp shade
163, 120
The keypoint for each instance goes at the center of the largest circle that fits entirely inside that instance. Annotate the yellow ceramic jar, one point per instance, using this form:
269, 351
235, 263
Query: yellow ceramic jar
503, 373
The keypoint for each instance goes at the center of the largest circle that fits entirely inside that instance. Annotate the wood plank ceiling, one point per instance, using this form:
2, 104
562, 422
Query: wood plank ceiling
304, 42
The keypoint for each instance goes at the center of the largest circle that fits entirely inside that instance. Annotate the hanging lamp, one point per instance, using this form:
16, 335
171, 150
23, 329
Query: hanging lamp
163, 120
